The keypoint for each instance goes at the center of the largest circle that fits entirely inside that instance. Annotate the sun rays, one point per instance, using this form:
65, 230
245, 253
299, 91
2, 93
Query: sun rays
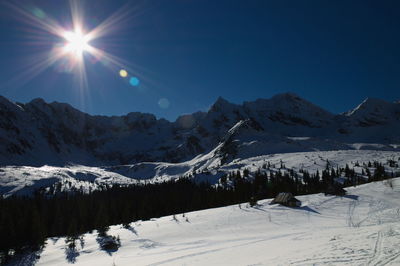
69, 48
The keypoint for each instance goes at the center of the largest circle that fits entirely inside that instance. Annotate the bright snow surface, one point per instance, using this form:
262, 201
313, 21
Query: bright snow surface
361, 228
23, 180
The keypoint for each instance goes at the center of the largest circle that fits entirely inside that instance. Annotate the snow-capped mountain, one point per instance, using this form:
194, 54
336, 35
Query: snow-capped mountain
38, 133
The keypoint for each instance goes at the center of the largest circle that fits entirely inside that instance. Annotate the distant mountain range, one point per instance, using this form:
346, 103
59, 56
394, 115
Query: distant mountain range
39, 133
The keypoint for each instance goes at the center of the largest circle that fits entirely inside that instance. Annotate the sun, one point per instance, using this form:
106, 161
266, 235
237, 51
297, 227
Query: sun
76, 42
71, 46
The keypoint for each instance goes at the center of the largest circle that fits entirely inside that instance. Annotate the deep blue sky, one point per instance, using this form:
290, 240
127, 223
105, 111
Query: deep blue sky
333, 53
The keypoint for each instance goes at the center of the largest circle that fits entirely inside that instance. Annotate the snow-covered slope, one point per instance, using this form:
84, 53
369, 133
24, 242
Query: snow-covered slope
39, 133
361, 228
23, 180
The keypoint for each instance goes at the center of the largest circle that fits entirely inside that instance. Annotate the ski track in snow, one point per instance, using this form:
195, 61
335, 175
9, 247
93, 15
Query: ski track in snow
377, 249
379, 256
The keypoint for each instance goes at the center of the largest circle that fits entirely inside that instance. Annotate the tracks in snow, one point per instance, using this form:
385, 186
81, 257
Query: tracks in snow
377, 249
378, 256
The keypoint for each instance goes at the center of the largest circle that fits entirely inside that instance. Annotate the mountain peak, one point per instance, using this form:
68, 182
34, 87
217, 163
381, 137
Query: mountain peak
287, 96
293, 103
221, 101
137, 116
38, 101
374, 101
369, 105
221, 105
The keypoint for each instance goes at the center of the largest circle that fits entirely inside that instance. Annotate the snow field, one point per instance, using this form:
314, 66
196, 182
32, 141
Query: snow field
362, 228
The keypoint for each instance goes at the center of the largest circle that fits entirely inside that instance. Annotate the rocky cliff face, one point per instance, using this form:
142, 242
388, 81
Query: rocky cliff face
38, 133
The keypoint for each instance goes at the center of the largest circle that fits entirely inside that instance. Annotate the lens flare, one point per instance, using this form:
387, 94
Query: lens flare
123, 73
163, 103
38, 13
134, 81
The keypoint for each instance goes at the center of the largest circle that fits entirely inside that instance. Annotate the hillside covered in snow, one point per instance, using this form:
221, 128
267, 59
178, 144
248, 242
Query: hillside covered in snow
24, 180
361, 228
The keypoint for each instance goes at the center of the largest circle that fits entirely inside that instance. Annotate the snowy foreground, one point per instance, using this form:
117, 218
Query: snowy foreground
362, 228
